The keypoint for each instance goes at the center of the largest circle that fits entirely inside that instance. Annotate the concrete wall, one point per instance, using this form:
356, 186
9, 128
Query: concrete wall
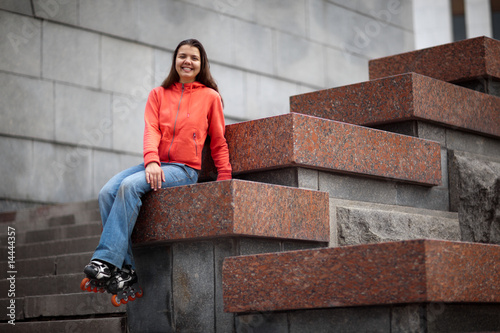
75, 74
432, 23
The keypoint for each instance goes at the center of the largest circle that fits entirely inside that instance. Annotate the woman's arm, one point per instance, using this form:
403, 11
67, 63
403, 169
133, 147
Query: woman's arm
152, 133
218, 144
152, 136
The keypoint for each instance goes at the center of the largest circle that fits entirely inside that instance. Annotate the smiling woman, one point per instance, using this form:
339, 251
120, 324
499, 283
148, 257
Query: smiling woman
187, 63
179, 116
203, 76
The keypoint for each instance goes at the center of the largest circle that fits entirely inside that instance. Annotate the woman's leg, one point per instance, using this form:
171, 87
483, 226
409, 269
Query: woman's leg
107, 194
115, 245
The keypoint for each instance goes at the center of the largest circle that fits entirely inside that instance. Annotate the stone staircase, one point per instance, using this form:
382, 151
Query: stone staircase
48, 269
361, 210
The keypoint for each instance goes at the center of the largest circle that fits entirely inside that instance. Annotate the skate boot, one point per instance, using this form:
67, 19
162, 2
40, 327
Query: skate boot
97, 277
124, 287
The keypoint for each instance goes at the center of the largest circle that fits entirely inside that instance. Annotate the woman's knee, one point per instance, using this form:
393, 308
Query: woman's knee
106, 193
133, 184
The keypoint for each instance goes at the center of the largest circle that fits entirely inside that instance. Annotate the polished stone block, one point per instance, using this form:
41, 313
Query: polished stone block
381, 274
460, 61
295, 140
71, 55
27, 107
20, 41
401, 98
233, 208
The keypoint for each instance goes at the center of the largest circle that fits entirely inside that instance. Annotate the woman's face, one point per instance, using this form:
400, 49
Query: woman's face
188, 63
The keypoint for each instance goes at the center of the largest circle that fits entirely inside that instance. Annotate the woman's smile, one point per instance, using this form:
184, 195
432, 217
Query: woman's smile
188, 63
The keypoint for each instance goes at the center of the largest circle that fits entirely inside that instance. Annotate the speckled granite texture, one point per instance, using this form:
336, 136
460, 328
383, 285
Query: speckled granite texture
404, 97
292, 140
387, 273
454, 62
233, 208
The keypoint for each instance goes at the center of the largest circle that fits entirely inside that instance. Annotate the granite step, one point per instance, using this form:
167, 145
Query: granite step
45, 285
54, 233
52, 265
408, 272
296, 140
474, 63
64, 305
64, 232
402, 98
110, 325
51, 216
232, 208
54, 248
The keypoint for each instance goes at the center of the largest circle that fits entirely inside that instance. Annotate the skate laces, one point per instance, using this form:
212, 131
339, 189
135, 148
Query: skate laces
98, 270
122, 278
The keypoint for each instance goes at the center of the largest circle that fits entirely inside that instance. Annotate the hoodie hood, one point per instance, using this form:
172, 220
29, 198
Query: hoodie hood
189, 86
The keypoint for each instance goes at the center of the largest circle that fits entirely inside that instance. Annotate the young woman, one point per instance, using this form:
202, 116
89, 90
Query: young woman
178, 117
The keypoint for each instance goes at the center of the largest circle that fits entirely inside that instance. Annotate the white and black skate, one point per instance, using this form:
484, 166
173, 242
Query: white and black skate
124, 287
97, 276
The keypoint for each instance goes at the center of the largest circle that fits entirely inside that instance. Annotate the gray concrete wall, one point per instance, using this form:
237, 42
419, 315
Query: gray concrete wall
75, 74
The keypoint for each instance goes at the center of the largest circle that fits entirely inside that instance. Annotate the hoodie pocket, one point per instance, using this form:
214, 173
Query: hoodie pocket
195, 144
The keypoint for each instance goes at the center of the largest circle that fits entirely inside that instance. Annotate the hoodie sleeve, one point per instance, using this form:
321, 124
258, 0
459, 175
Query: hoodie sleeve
152, 133
218, 144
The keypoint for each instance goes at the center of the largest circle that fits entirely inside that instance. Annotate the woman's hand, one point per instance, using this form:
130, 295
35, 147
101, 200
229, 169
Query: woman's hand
154, 175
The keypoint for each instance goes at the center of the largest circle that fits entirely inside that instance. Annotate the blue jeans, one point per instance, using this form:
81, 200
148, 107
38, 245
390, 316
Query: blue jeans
119, 204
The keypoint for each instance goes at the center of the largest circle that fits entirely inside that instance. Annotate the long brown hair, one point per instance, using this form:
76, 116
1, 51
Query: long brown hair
204, 76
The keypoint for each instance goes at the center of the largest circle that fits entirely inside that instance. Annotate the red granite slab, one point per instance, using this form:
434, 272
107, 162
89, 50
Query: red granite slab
404, 97
233, 208
376, 274
292, 140
460, 61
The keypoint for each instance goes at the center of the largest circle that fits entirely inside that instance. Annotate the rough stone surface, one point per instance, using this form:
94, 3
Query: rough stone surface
154, 269
475, 183
193, 287
386, 273
459, 61
357, 225
401, 98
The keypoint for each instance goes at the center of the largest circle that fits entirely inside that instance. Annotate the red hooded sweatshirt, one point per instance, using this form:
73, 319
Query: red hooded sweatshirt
178, 120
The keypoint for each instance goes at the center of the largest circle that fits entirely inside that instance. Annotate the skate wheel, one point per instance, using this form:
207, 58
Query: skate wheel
114, 301
139, 293
131, 298
84, 283
124, 301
